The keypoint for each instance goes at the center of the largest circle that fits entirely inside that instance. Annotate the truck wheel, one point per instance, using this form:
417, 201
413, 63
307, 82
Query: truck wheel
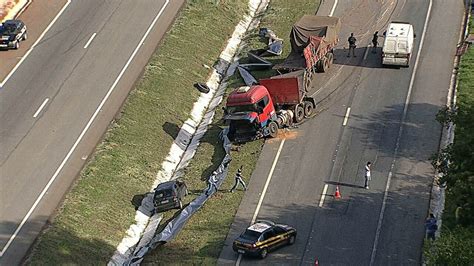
308, 108
273, 128
299, 113
263, 253
330, 58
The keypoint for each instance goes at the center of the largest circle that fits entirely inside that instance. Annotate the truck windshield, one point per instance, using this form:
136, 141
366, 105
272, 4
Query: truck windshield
241, 108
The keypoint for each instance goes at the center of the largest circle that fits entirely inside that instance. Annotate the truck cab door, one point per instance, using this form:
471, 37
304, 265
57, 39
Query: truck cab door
265, 110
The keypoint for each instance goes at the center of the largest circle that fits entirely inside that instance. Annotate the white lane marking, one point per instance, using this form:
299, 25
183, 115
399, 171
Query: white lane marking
366, 52
34, 45
259, 204
269, 177
90, 40
346, 117
323, 195
41, 107
333, 8
58, 170
400, 131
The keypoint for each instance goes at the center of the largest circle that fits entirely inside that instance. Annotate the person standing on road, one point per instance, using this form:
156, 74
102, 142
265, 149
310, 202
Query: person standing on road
367, 175
352, 45
431, 226
239, 180
375, 42
211, 183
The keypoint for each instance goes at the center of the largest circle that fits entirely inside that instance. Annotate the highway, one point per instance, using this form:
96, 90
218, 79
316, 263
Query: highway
56, 105
382, 115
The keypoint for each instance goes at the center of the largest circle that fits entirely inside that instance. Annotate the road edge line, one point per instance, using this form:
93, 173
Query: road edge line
86, 128
400, 131
264, 191
23, 58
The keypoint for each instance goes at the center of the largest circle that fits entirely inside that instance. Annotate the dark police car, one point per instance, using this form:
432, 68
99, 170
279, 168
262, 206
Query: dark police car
12, 32
169, 195
262, 237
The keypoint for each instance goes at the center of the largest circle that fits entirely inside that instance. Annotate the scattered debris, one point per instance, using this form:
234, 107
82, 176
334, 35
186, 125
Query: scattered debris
275, 44
202, 87
248, 78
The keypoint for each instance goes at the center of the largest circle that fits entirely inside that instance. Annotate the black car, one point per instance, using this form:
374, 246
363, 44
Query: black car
262, 237
12, 32
169, 195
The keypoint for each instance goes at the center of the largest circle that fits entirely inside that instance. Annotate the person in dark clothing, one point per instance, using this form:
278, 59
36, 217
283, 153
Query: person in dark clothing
238, 180
375, 42
352, 45
431, 226
211, 183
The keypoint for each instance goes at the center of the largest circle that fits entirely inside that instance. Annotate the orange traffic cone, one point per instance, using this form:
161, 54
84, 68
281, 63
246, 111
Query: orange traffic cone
337, 194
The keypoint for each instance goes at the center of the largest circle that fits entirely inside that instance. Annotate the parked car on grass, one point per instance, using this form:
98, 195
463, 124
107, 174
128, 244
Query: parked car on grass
262, 237
12, 32
169, 195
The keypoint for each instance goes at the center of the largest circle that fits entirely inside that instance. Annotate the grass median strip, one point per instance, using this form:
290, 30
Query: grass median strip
202, 239
98, 210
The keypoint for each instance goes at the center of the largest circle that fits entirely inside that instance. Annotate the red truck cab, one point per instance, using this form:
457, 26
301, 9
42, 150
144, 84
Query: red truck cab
248, 110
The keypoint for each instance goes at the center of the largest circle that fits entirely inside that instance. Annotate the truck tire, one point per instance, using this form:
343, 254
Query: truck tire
308, 108
273, 129
323, 64
263, 253
330, 58
299, 113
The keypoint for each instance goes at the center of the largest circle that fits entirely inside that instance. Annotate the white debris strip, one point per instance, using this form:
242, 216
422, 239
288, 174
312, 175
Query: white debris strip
193, 129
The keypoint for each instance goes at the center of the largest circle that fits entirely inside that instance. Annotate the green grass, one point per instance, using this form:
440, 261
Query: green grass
98, 210
456, 245
202, 239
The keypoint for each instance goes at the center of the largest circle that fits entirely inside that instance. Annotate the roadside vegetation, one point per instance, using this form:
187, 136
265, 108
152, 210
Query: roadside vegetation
98, 210
202, 239
455, 246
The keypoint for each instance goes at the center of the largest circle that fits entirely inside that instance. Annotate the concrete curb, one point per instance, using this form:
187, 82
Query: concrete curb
193, 129
437, 199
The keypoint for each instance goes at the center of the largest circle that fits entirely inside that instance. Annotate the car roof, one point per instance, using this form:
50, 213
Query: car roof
259, 227
398, 29
166, 185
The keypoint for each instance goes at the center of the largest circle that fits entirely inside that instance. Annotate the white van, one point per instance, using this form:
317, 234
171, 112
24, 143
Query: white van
398, 44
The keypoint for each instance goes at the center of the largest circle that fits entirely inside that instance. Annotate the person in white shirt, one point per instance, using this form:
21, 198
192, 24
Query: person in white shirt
367, 175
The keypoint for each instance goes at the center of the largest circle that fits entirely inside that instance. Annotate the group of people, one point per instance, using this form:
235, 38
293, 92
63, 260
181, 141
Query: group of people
353, 43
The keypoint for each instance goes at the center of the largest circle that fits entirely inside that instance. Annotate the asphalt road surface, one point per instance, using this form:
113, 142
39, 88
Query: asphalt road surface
57, 104
390, 123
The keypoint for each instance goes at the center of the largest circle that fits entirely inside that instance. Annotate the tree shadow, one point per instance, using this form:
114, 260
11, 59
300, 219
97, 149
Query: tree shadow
372, 60
421, 131
343, 230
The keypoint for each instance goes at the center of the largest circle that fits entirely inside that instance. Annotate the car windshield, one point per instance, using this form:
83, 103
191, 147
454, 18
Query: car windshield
163, 193
8, 29
251, 235
241, 108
